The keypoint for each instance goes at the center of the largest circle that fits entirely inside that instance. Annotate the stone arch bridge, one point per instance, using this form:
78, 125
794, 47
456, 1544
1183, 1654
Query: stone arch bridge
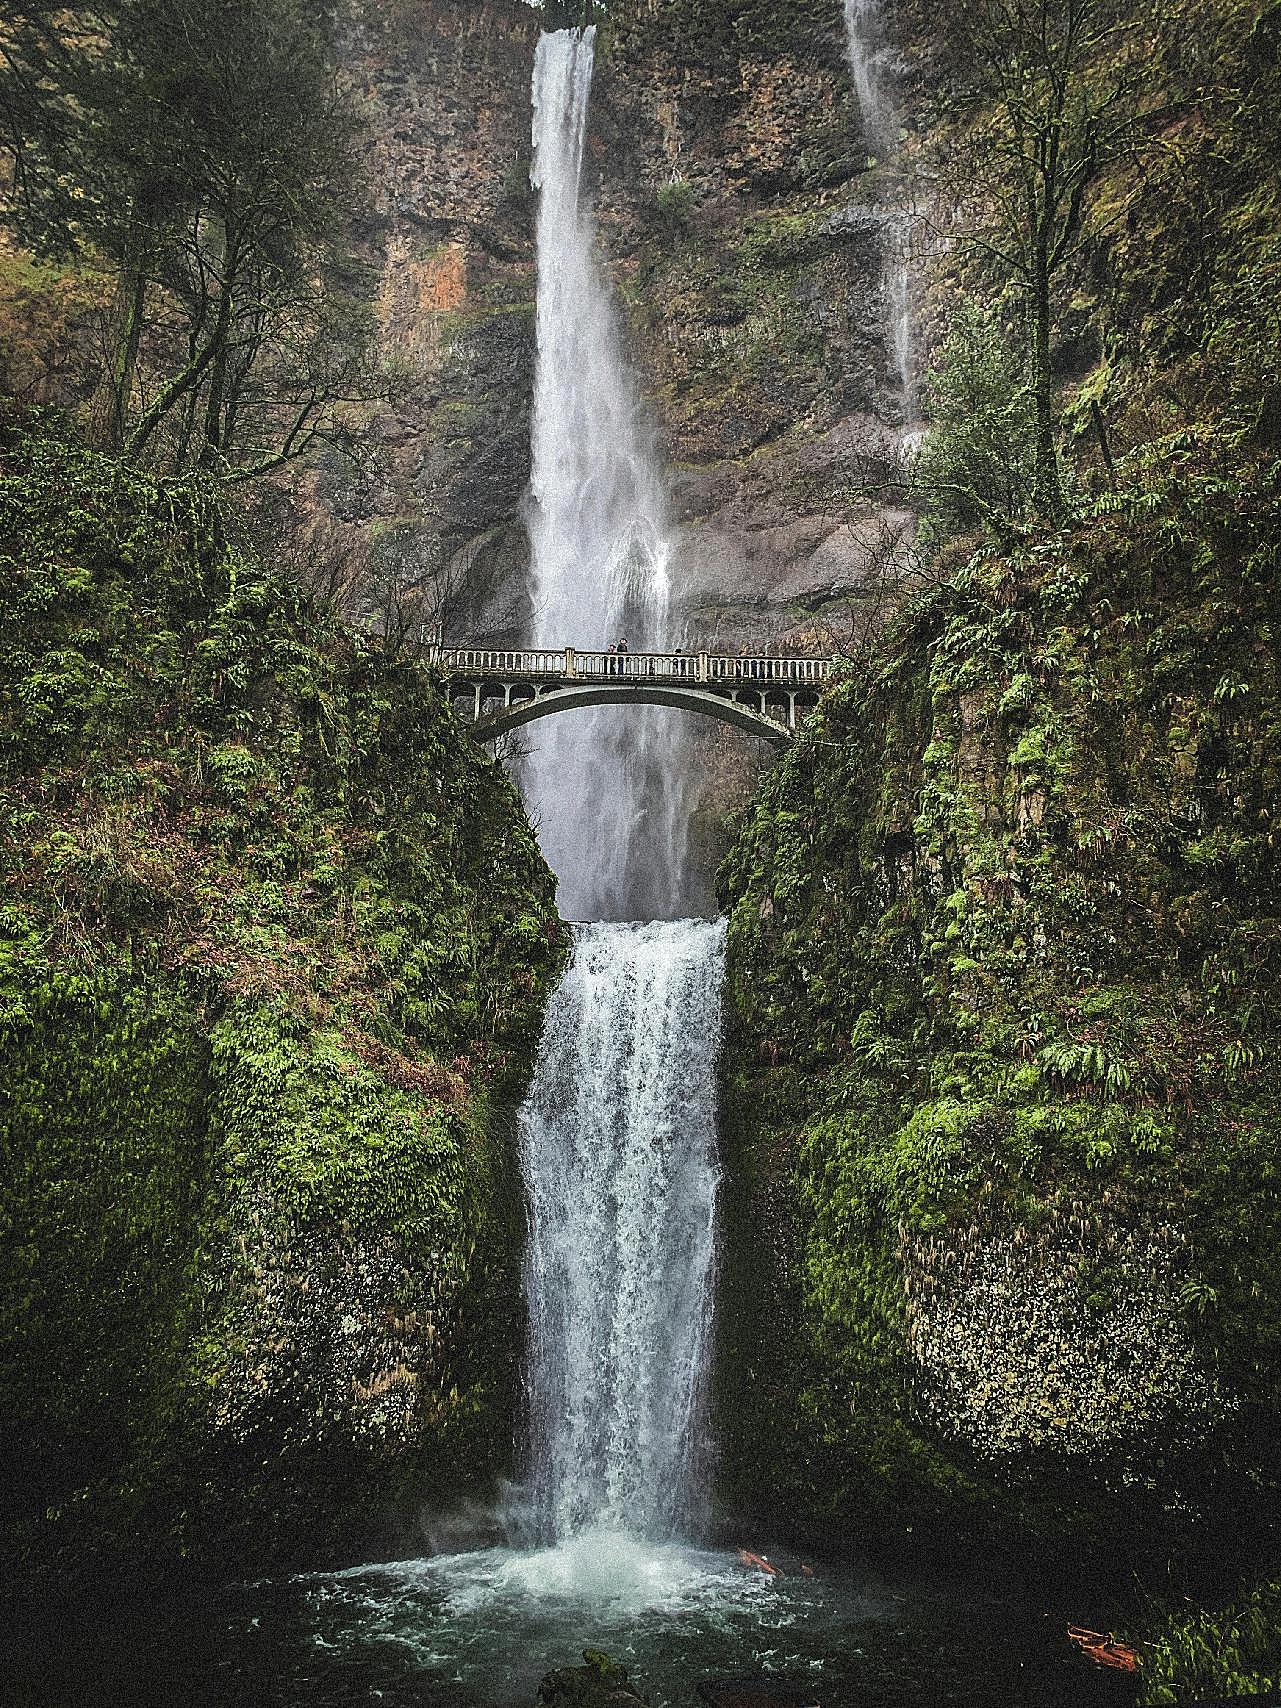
501, 690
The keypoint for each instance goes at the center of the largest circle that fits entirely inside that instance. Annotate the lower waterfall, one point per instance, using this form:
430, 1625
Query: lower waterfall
619, 1158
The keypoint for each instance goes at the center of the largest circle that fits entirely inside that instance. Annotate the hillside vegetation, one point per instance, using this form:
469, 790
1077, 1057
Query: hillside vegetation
1003, 1092
275, 937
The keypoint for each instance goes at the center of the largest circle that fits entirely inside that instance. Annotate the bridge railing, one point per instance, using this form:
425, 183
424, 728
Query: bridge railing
763, 668
569, 664
486, 661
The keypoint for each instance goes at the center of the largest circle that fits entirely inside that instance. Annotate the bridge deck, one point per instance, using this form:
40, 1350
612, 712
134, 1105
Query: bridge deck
568, 664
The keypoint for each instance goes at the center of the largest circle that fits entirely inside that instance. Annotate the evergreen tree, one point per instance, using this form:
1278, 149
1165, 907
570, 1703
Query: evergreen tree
975, 466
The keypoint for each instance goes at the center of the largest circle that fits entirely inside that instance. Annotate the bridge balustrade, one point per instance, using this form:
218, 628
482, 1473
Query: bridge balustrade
569, 664
507, 687
487, 661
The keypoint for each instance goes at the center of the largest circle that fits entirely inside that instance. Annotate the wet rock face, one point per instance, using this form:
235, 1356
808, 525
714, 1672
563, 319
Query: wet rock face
1069, 1338
445, 92
766, 549
745, 235
336, 1331
735, 197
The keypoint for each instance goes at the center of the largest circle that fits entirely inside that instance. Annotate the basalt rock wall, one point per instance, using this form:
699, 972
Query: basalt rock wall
742, 219
445, 93
1001, 1201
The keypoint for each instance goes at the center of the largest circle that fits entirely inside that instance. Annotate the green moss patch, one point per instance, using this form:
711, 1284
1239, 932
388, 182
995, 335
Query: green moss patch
1007, 922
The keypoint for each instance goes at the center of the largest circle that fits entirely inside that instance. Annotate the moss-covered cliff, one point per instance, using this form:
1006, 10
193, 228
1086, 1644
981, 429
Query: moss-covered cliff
1003, 1105
1005, 1205
275, 937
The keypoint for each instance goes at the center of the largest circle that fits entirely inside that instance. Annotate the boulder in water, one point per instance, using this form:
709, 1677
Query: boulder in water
599, 1684
759, 1691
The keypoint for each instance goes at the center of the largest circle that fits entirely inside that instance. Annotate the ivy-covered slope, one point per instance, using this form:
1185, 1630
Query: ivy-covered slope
1004, 1106
274, 943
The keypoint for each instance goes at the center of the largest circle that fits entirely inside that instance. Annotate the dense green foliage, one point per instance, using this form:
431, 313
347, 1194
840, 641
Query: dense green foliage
199, 156
974, 467
1158, 309
1232, 1653
98, 1236
275, 937
1004, 946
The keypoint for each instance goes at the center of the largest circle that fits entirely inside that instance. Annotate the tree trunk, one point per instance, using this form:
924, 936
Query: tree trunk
1047, 491
217, 381
178, 388
110, 407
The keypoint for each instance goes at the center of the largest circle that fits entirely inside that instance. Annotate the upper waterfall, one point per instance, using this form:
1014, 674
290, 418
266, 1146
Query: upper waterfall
865, 47
609, 795
598, 518
863, 40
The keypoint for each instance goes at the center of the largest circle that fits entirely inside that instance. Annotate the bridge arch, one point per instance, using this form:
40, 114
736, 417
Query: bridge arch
700, 701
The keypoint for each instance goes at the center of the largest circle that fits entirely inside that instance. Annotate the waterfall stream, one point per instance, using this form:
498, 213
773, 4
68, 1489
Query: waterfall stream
607, 788
867, 52
864, 43
618, 1144
618, 1132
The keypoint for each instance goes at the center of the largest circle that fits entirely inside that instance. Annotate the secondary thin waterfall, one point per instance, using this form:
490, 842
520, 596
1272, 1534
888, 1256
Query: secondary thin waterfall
618, 1144
864, 40
865, 44
606, 788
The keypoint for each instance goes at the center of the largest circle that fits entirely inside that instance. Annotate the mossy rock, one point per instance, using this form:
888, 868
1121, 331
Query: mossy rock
600, 1683
1001, 1083
275, 938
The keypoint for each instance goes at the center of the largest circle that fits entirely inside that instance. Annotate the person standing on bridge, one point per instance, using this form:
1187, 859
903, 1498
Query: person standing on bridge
622, 653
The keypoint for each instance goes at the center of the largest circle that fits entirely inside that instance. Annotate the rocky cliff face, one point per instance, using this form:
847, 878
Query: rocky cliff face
445, 94
751, 246
744, 229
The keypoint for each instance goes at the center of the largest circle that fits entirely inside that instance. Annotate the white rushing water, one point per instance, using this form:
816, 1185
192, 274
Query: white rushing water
871, 72
484, 1627
619, 1159
864, 41
607, 788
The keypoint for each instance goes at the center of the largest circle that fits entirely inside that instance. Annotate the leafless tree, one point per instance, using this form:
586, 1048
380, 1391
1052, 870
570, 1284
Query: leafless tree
1044, 96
